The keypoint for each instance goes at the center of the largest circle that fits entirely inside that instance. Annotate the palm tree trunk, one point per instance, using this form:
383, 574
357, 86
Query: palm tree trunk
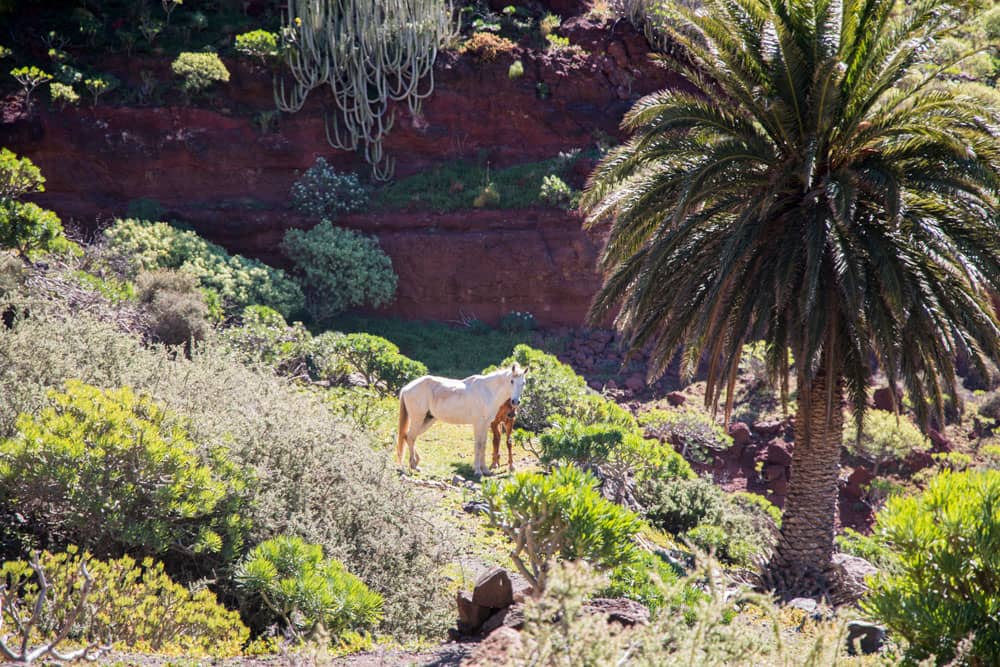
805, 547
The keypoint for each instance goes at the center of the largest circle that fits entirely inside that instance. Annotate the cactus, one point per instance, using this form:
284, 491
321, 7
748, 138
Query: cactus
371, 53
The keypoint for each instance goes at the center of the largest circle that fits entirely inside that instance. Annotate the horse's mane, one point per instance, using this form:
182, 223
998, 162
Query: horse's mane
499, 371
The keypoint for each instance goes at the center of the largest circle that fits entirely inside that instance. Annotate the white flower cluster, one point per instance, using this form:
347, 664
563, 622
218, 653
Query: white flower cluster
322, 192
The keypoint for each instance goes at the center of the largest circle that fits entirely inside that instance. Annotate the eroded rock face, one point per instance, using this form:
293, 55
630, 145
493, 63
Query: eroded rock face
227, 169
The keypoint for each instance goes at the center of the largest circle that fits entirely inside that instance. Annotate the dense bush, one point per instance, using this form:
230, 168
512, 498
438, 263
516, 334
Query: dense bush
378, 361
884, 437
265, 338
63, 94
339, 269
24, 226
258, 44
199, 71
321, 192
737, 528
18, 176
939, 590
693, 430
560, 515
132, 606
487, 46
553, 388
177, 311
555, 192
316, 474
110, 470
240, 282
291, 581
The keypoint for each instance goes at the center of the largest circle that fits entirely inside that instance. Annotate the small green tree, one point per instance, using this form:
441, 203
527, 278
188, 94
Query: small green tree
560, 515
27, 228
98, 85
378, 361
939, 587
339, 269
111, 470
18, 176
63, 94
260, 44
199, 71
293, 583
30, 78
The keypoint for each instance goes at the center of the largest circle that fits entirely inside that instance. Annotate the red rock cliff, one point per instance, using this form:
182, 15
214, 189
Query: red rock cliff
217, 169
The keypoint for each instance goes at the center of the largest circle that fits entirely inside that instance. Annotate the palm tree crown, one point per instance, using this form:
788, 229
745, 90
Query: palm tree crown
806, 190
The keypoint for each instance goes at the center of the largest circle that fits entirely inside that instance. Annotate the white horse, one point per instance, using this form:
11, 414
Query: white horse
474, 400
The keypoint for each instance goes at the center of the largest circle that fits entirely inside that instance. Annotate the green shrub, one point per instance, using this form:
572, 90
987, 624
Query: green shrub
315, 474
239, 282
516, 70
939, 589
258, 44
555, 192
30, 229
145, 208
378, 361
323, 193
132, 606
560, 515
63, 94
643, 580
291, 581
548, 24
864, 546
113, 470
18, 176
990, 20
884, 437
517, 321
199, 71
691, 429
339, 269
30, 78
680, 505
98, 85
177, 310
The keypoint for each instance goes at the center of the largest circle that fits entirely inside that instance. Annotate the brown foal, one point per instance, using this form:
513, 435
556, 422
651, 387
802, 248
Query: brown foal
504, 419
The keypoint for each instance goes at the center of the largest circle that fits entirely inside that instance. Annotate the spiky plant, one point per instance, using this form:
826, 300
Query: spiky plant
801, 192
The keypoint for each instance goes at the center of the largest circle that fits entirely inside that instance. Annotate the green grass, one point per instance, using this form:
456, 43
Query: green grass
447, 350
455, 185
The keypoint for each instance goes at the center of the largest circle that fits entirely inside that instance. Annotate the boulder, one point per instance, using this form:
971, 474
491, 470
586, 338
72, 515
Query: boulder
939, 442
778, 454
768, 430
619, 610
740, 433
857, 482
808, 605
635, 383
508, 617
916, 461
882, 399
493, 589
676, 398
470, 615
866, 636
773, 472
849, 577
501, 647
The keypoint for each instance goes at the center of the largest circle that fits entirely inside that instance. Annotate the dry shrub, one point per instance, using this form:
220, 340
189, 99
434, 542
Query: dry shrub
487, 46
317, 476
176, 308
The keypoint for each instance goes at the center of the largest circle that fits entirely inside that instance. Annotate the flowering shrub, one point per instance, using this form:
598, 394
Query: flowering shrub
323, 193
339, 269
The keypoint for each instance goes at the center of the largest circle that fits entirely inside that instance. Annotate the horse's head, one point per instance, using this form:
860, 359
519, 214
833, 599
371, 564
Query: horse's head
517, 380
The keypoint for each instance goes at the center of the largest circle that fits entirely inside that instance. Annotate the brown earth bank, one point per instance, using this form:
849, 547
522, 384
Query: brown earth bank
221, 169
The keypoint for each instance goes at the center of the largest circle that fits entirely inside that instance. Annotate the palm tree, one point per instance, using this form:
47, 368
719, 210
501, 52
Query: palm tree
810, 189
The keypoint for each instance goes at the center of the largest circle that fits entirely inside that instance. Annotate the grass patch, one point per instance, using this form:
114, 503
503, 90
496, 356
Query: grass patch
447, 350
457, 185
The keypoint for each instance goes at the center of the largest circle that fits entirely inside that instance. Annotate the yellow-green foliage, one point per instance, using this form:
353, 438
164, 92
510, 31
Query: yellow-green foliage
939, 589
487, 46
112, 470
258, 44
691, 429
294, 584
130, 606
239, 281
884, 437
199, 71
560, 515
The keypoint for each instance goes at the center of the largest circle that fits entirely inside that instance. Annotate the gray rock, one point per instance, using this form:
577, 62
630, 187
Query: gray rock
493, 589
619, 610
808, 605
868, 637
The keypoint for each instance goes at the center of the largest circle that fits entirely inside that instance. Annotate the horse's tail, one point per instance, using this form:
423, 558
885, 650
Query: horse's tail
404, 425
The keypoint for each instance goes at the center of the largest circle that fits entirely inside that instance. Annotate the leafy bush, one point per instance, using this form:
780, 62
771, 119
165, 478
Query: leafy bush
693, 430
258, 44
642, 580
29, 229
939, 591
199, 71
315, 474
145, 208
516, 70
63, 94
378, 361
18, 176
111, 470
100, 84
736, 528
294, 584
240, 282
265, 338
133, 606
549, 23
339, 269
30, 78
555, 192
176, 308
487, 46
559, 515
517, 321
884, 437
990, 20
323, 193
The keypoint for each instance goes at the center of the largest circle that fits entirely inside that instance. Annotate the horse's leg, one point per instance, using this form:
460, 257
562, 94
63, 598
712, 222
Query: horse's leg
416, 430
510, 450
495, 428
479, 457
